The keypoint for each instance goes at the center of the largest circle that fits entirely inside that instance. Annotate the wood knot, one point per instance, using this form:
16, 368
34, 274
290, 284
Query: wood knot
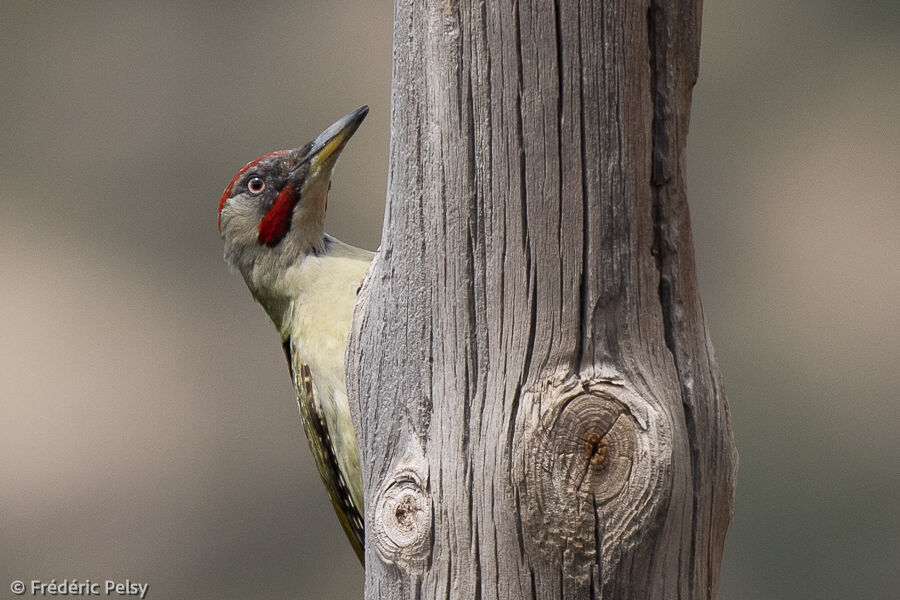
401, 526
590, 457
587, 444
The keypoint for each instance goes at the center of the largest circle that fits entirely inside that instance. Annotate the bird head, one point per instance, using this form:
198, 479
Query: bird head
272, 213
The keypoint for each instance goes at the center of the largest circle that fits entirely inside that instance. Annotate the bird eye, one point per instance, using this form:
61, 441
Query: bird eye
256, 185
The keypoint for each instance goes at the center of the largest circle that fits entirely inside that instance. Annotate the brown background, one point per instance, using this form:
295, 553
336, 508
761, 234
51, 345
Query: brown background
148, 428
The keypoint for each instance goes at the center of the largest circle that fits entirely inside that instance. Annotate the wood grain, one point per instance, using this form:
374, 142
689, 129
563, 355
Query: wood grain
538, 406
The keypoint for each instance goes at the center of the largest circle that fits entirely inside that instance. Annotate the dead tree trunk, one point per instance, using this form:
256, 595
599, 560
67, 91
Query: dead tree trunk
539, 409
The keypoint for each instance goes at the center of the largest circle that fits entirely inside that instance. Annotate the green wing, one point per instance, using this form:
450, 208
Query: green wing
323, 450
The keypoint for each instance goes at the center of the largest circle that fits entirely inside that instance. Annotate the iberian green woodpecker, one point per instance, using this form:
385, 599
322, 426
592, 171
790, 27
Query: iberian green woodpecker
272, 220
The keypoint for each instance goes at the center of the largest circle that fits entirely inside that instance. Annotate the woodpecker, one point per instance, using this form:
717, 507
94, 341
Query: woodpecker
272, 221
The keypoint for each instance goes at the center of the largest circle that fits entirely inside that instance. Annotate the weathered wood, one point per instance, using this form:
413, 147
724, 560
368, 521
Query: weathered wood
539, 410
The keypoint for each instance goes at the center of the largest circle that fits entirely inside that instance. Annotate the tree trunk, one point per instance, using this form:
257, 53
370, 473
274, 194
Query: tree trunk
538, 406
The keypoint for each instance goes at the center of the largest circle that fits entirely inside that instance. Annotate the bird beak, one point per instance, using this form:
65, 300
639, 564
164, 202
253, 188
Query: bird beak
329, 143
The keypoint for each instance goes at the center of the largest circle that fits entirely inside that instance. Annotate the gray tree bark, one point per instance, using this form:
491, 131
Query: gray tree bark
538, 406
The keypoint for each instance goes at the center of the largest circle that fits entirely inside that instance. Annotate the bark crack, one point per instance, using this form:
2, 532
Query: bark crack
584, 327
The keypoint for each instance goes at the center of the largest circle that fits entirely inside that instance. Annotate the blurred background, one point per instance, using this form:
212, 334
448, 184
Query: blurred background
148, 425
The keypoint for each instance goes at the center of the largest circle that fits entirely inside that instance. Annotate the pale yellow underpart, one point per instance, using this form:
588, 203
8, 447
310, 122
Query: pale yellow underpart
323, 291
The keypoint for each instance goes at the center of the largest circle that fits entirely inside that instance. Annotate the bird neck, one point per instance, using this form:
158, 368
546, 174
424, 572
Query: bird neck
315, 285
275, 298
